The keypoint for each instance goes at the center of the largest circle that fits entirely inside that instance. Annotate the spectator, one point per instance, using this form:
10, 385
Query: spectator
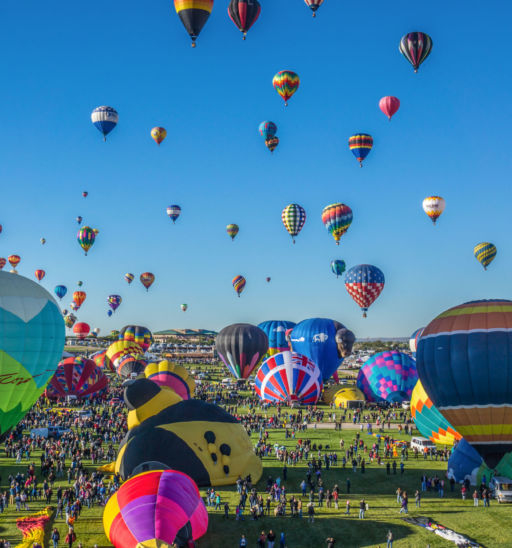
271, 538
55, 537
243, 542
389, 538
362, 509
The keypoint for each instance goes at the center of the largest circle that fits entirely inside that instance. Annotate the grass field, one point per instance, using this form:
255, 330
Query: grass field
488, 526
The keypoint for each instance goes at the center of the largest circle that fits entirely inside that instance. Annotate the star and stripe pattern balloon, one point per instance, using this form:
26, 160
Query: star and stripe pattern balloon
360, 146
289, 378
364, 283
193, 15
293, 217
105, 120
485, 253
286, 83
337, 219
415, 47
434, 206
239, 284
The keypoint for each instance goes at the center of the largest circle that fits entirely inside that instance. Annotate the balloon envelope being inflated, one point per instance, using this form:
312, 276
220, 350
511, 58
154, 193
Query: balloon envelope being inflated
78, 377
275, 330
31, 342
465, 462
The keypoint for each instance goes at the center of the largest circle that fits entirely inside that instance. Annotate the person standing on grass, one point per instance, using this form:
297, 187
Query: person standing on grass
261, 540
55, 537
347, 508
417, 498
282, 540
475, 498
389, 538
330, 542
243, 542
271, 538
362, 509
70, 537
311, 512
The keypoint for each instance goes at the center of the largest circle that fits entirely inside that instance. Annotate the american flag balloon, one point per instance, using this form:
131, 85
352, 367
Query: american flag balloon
364, 283
289, 378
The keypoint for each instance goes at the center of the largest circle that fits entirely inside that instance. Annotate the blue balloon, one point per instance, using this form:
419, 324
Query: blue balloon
465, 462
109, 313
316, 339
275, 330
268, 130
338, 267
104, 119
60, 291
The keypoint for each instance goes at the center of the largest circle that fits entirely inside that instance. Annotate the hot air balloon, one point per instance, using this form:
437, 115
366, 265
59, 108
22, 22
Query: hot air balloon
109, 313
118, 350
434, 206
31, 344
79, 297
388, 376
268, 279
137, 333
314, 5
413, 341
147, 279
286, 83
74, 306
81, 330
105, 120
79, 377
428, 419
131, 366
1, 229
293, 217
174, 212
173, 376
415, 47
79, 283
338, 267
464, 363
160, 508
129, 277
360, 145
193, 15
289, 378
184, 307
466, 464
232, 230
364, 283
96, 331
272, 143
337, 219
114, 301
348, 397
241, 347
86, 236
79, 220
267, 129
316, 339
244, 14
69, 320
158, 134
99, 358
96, 231
3, 262
275, 330
389, 105
484, 253
43, 241
60, 291
239, 284
14, 261
39, 274
85, 194
65, 312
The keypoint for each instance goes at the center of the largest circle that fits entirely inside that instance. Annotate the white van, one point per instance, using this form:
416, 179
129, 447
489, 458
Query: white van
502, 488
421, 444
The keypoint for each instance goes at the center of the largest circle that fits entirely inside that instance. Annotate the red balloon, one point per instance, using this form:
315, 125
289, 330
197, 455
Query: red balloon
389, 105
78, 377
3, 262
81, 330
39, 274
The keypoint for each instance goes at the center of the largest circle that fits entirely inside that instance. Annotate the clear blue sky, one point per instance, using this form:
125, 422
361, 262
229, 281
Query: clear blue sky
451, 137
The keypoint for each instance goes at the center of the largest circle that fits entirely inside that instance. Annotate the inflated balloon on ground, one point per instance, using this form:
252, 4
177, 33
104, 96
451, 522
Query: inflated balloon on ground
79, 377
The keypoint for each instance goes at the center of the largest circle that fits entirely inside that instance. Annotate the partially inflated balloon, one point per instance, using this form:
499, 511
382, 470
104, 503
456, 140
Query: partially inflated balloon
360, 146
147, 279
293, 217
105, 120
232, 230
129, 277
286, 83
77, 377
114, 301
31, 344
267, 129
244, 13
314, 5
86, 236
119, 350
275, 330
241, 347
434, 206
79, 297
81, 330
337, 219
173, 376
415, 47
338, 267
193, 15
60, 291
485, 253
239, 284
466, 464
174, 211
39, 274
364, 283
389, 105
138, 334
158, 134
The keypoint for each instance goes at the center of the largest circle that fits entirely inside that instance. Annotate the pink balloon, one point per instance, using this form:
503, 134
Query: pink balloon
389, 105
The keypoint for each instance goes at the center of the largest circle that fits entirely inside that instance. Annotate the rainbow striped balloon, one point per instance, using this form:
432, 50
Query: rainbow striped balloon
286, 83
337, 219
360, 145
239, 284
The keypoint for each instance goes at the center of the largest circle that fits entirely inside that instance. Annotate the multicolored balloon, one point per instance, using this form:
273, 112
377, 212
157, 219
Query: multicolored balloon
464, 363
193, 15
239, 284
184, 307
31, 344
129, 277
60, 291
275, 330
39, 274
314, 5
14, 261
147, 279
81, 330
172, 376
119, 350
415, 47
289, 378
174, 211
389, 105
364, 283
388, 376
241, 347
158, 134
3, 262
79, 297
232, 231
85, 194
114, 301
99, 358
138, 334
337, 219
360, 145
159, 508
338, 267
74, 306
286, 83
272, 143
413, 341
79, 220
485, 253
79, 377
69, 320
293, 217
267, 129
86, 236
79, 283
244, 14
43, 241
105, 120
434, 206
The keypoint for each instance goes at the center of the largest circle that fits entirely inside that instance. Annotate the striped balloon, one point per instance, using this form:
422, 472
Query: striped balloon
147, 279
172, 376
413, 341
272, 143
364, 283
193, 15
289, 378
138, 334
85, 237
105, 120
485, 253
239, 284
415, 47
337, 219
120, 349
174, 212
293, 217
338, 267
286, 83
360, 145
3, 262
314, 5
129, 277
232, 230
39, 274
434, 206
78, 377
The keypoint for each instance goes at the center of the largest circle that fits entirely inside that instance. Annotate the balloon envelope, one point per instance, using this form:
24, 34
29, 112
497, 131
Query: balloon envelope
465, 463
78, 377
138, 334
364, 283
81, 330
413, 341
105, 120
275, 330
172, 376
